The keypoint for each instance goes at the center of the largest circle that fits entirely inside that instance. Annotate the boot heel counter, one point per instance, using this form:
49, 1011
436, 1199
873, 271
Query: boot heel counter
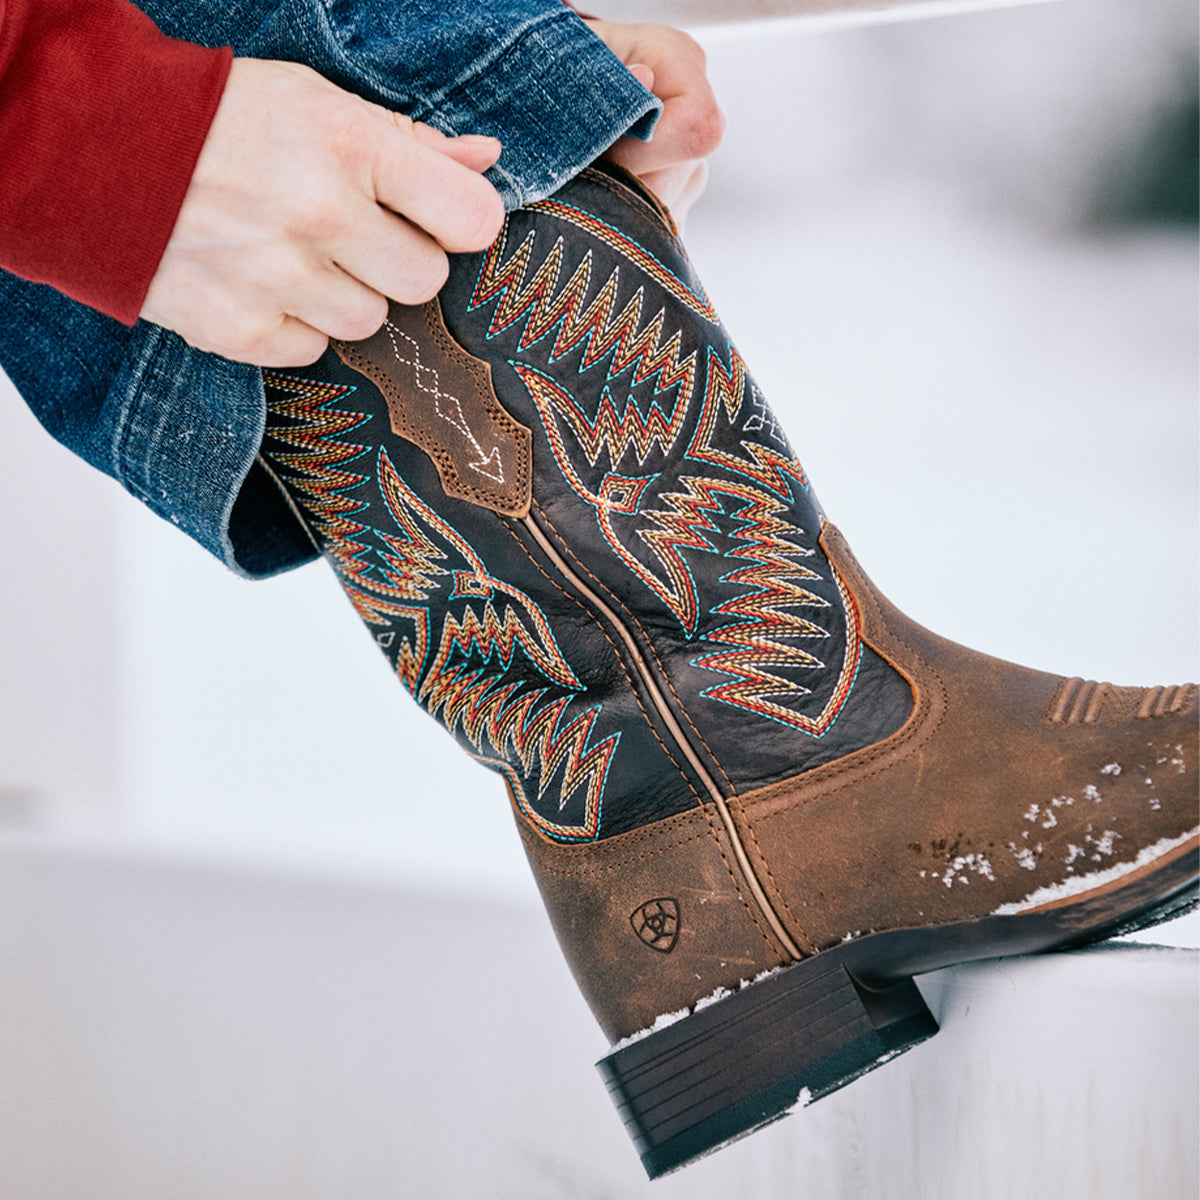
651, 922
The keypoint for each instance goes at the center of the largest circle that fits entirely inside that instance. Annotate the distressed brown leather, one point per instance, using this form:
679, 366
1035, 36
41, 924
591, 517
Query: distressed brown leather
442, 399
985, 796
1004, 781
599, 895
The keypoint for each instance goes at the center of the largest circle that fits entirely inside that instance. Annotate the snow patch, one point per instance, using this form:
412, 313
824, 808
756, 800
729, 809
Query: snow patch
668, 1019
1045, 816
660, 1023
1102, 845
1085, 883
712, 998
760, 977
960, 869
1026, 858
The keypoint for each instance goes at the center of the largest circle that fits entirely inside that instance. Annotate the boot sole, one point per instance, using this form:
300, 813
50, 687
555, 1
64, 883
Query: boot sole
749, 1059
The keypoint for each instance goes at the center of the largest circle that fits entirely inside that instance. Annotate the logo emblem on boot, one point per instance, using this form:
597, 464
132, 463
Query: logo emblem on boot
657, 923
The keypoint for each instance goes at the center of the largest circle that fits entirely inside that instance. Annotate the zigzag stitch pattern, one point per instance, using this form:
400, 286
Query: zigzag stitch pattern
464, 688
725, 391
694, 298
758, 648
599, 327
681, 525
472, 694
317, 461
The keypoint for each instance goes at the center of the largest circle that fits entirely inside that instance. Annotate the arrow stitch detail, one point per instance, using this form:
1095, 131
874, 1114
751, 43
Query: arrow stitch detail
489, 463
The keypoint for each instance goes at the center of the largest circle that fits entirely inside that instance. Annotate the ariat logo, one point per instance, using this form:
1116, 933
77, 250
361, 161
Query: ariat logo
657, 923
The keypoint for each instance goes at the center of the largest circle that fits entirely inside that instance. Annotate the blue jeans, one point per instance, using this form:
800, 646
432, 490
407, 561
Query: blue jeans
180, 429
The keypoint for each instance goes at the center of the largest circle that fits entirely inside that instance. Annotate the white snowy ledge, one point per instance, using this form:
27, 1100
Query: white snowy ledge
179, 1029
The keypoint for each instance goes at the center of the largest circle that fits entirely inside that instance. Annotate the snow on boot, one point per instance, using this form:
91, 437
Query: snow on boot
757, 798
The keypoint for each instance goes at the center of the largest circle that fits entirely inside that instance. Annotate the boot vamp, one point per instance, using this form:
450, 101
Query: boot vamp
1007, 790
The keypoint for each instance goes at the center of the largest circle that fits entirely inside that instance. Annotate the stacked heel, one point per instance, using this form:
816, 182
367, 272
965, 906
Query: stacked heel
738, 1064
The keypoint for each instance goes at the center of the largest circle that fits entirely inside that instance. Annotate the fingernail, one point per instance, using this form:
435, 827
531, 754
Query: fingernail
643, 74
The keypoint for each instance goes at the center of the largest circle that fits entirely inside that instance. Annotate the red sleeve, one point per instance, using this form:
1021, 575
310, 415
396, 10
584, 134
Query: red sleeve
102, 118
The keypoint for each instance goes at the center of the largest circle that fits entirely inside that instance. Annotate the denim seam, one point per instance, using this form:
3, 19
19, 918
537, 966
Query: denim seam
146, 360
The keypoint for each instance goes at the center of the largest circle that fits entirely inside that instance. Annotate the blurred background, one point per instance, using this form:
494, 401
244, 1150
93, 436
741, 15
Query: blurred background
960, 256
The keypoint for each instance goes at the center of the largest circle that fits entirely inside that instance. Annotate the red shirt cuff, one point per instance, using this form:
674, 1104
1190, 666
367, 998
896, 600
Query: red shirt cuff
102, 119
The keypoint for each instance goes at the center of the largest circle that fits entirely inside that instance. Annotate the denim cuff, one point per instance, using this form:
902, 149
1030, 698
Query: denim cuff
181, 429
579, 99
553, 94
187, 430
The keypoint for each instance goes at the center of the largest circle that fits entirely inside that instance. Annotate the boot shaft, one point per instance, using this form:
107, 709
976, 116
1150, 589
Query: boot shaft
563, 507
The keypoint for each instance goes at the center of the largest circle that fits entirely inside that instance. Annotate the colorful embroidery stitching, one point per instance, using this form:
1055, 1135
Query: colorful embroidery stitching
624, 245
493, 670
679, 473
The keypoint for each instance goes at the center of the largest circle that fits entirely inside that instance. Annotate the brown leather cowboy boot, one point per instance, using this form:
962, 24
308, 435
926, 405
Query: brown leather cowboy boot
757, 799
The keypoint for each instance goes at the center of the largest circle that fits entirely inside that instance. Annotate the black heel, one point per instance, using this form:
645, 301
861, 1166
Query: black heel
750, 1058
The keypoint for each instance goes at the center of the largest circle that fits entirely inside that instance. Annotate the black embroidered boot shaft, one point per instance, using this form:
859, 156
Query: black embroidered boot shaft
751, 790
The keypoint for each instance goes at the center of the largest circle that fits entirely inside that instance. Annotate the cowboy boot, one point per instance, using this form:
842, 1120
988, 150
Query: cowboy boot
757, 798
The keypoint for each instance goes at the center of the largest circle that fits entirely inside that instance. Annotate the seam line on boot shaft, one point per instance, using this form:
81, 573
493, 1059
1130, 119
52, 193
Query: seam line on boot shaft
561, 585
668, 718
622, 616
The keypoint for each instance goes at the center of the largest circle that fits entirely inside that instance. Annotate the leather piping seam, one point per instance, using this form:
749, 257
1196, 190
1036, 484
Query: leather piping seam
616, 652
668, 719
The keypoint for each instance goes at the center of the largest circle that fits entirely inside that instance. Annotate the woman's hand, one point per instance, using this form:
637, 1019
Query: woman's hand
672, 65
308, 209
